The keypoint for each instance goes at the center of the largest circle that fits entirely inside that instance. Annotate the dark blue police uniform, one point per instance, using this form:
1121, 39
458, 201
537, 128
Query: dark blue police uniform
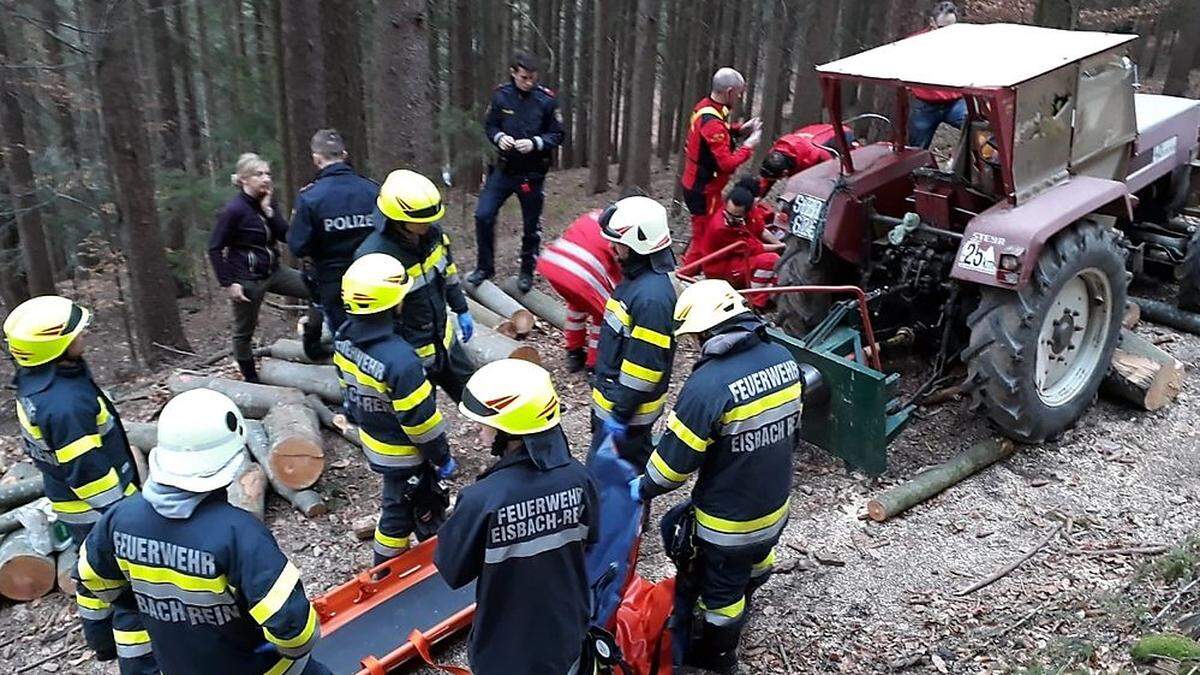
519, 114
331, 218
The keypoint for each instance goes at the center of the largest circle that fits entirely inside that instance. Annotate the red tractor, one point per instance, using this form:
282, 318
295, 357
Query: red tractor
1015, 254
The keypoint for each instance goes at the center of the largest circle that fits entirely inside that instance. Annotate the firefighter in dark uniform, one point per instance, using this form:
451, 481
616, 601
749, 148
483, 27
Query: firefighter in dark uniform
520, 532
523, 123
331, 219
386, 394
407, 209
634, 358
209, 581
737, 421
74, 436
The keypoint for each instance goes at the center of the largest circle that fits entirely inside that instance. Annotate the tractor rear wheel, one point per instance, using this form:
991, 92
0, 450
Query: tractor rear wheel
800, 313
1188, 297
1037, 355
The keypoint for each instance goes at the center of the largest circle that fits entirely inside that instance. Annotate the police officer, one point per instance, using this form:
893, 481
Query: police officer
209, 581
634, 358
74, 436
331, 218
407, 209
524, 124
737, 421
386, 394
520, 532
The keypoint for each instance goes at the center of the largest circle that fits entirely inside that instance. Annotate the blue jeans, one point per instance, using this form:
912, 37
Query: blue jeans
498, 188
924, 118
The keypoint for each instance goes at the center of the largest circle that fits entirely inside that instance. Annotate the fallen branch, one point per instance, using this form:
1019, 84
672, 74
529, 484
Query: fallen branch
285, 308
1175, 599
1004, 571
1143, 550
173, 350
924, 485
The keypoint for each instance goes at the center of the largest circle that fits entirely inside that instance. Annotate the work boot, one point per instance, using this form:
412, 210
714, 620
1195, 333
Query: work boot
525, 281
576, 360
249, 371
478, 277
314, 349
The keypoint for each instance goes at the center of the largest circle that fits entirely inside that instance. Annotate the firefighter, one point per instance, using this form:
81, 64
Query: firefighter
386, 394
931, 106
331, 218
74, 436
520, 532
209, 581
636, 350
742, 220
737, 422
709, 154
524, 124
407, 210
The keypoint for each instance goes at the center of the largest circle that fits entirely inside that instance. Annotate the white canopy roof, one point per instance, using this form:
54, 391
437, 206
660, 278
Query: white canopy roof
976, 55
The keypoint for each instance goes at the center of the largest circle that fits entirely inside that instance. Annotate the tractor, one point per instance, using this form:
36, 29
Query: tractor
1014, 254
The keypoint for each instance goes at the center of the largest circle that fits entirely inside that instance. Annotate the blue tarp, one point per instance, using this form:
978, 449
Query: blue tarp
608, 560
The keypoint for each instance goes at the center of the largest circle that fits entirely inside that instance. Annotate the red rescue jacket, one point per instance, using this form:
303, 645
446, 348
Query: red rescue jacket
709, 157
581, 262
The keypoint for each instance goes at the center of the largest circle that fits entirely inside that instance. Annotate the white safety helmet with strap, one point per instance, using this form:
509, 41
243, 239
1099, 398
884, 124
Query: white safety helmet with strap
707, 304
638, 222
201, 441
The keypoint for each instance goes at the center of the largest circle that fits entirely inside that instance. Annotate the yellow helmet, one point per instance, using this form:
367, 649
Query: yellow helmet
374, 283
40, 329
511, 395
705, 304
410, 197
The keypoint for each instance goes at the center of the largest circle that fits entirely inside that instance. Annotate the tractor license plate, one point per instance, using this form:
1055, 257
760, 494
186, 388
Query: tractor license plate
806, 213
977, 257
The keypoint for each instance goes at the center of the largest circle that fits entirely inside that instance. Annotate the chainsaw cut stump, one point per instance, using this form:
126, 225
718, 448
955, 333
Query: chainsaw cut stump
487, 345
487, 317
1143, 374
307, 502
296, 451
25, 574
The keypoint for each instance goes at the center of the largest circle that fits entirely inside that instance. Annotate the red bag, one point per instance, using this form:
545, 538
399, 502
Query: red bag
641, 625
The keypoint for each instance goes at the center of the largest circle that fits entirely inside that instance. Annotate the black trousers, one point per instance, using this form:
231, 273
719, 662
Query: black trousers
496, 190
451, 370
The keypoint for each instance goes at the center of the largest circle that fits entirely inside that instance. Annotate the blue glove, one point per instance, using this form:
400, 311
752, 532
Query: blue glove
466, 326
448, 469
617, 430
635, 489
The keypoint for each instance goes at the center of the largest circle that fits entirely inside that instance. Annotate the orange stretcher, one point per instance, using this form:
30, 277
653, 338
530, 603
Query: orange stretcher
390, 614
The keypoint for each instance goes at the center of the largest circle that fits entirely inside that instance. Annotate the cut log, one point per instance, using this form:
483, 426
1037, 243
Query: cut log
487, 345
254, 400
308, 378
288, 350
19, 472
64, 569
364, 527
1133, 315
20, 492
139, 463
307, 502
1143, 374
9, 522
297, 452
248, 491
489, 295
327, 419
545, 307
1169, 315
143, 435
25, 574
491, 319
900, 498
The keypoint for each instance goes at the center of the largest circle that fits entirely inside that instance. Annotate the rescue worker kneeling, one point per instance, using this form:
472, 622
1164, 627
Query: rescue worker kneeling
737, 422
521, 530
386, 394
210, 583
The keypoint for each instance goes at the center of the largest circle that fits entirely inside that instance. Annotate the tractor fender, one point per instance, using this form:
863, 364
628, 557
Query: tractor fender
1022, 230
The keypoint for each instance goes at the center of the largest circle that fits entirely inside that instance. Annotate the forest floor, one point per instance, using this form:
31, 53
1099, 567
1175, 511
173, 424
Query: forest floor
849, 595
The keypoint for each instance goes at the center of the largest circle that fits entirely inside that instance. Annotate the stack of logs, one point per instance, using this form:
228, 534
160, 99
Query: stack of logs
26, 573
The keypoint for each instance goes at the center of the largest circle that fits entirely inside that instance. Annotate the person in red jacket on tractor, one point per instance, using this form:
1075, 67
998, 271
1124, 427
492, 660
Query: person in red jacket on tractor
753, 265
796, 151
710, 157
931, 107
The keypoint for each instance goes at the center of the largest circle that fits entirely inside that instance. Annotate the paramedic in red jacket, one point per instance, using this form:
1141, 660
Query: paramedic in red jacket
581, 267
796, 151
753, 265
710, 157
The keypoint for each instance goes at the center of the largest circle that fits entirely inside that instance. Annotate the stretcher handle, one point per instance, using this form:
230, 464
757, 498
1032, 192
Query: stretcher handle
422, 645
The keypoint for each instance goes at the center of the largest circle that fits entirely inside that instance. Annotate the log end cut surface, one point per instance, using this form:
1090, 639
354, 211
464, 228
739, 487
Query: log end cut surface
297, 462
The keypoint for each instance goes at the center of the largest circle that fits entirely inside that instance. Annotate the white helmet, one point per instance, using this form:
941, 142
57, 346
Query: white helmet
201, 436
705, 304
638, 222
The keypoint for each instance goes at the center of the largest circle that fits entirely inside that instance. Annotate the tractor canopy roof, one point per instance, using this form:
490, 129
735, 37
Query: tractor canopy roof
974, 56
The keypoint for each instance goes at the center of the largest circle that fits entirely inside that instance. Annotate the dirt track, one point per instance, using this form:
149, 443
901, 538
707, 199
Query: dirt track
851, 595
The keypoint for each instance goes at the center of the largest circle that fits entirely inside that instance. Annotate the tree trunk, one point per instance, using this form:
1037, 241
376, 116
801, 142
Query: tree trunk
297, 453
928, 483
1143, 374
751, 72
34, 252
215, 153
183, 56
1057, 13
288, 350
543, 306
583, 100
402, 97
491, 319
567, 86
25, 574
487, 345
466, 142
668, 88
304, 82
818, 48
308, 502
166, 50
58, 85
254, 400
341, 40
629, 66
13, 288
1183, 56
643, 76
601, 107
489, 295
318, 379
64, 569
151, 286
773, 96
20, 492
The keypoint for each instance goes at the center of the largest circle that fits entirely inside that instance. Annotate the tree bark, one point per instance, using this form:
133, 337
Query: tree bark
668, 99
64, 569
151, 286
773, 94
34, 253
1057, 14
646, 18
304, 83
1143, 374
288, 350
341, 40
316, 379
581, 148
183, 56
491, 319
602, 80
900, 498
465, 142
25, 574
20, 492
254, 400
402, 96
297, 452
567, 87
489, 295
818, 48
629, 65
248, 491
214, 153
171, 155
543, 306
487, 345
1183, 56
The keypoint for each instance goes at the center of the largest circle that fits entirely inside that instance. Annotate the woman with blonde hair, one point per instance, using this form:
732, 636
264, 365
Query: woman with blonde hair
244, 252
